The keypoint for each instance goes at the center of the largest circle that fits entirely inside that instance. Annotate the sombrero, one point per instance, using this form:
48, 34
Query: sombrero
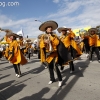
98, 26
12, 34
28, 40
46, 24
62, 28
8, 31
92, 29
86, 33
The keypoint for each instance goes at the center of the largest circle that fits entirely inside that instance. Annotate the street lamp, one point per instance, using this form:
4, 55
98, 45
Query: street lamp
38, 21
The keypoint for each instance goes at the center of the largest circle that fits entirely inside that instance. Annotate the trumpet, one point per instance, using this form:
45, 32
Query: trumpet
49, 45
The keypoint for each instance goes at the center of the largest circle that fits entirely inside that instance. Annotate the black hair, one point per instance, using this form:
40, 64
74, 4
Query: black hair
14, 38
47, 27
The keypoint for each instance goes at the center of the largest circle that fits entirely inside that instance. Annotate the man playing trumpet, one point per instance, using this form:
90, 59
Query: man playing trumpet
48, 45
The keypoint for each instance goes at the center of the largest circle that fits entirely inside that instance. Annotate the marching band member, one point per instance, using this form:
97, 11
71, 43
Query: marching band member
7, 51
41, 52
28, 48
7, 39
1, 52
21, 44
15, 55
84, 43
94, 43
48, 43
67, 38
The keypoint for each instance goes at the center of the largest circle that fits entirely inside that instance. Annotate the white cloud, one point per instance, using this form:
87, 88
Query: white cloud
55, 1
30, 26
88, 15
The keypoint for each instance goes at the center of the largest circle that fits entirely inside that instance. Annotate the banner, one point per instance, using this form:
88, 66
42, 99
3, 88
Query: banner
76, 31
81, 30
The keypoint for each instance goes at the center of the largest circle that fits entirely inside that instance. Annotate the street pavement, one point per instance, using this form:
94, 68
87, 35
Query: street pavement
83, 84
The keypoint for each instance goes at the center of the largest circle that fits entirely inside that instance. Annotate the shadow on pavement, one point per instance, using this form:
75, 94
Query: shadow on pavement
38, 96
4, 76
6, 84
9, 90
34, 71
3, 62
6, 68
33, 61
61, 93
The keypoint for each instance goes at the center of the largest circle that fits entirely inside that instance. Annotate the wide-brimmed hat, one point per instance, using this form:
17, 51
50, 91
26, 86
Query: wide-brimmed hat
98, 26
62, 28
28, 40
6, 30
12, 34
86, 33
46, 24
92, 29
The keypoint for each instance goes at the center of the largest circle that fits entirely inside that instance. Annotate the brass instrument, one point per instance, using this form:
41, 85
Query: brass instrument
49, 45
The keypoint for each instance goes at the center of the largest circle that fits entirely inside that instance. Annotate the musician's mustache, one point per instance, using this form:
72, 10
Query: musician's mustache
49, 32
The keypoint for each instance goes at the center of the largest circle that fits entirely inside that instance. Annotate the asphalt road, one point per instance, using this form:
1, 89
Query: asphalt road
83, 84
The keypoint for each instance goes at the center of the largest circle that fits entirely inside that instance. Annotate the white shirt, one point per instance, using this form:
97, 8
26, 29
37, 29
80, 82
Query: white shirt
1, 49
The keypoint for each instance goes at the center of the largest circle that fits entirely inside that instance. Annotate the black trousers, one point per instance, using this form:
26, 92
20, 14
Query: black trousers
96, 50
17, 68
73, 55
22, 50
71, 66
51, 71
28, 55
86, 46
0, 54
99, 48
38, 52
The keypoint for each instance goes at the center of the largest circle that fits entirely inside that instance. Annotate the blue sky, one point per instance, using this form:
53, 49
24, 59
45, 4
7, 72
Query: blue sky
30, 8
69, 13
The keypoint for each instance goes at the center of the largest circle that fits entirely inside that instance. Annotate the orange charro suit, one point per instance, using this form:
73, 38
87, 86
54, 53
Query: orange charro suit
28, 45
93, 40
68, 40
6, 54
97, 43
54, 43
15, 55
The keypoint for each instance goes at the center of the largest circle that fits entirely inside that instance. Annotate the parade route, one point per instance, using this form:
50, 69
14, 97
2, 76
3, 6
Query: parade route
83, 84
